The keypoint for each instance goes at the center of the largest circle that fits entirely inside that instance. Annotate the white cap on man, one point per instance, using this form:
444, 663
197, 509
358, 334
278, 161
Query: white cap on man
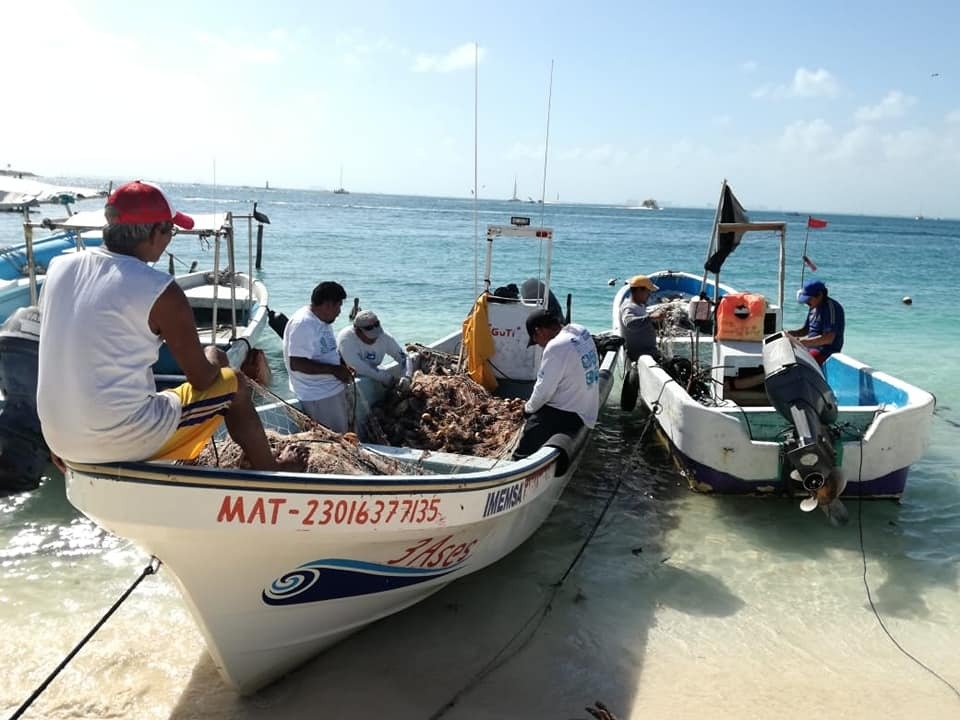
368, 323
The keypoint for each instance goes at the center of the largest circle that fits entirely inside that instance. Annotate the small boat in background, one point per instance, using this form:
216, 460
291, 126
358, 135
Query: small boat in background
514, 197
341, 190
18, 193
745, 410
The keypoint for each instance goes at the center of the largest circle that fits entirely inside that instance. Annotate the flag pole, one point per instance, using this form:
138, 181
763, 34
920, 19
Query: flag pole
803, 258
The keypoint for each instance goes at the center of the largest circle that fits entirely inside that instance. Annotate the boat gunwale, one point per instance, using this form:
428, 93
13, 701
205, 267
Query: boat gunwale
151, 473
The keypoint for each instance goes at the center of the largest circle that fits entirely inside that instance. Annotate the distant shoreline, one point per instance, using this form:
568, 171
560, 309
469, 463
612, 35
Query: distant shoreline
17, 173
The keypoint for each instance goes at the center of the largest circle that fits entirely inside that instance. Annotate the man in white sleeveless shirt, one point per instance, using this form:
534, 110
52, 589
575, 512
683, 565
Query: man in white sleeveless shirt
105, 313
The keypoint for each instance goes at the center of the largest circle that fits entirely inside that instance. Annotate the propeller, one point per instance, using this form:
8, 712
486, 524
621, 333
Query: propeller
834, 508
825, 494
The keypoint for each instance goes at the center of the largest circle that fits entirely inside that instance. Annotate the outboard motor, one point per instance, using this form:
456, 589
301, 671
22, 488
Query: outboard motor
798, 390
23, 453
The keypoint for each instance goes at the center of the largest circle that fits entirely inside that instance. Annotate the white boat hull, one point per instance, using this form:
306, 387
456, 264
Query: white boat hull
278, 566
727, 441
275, 567
729, 448
281, 582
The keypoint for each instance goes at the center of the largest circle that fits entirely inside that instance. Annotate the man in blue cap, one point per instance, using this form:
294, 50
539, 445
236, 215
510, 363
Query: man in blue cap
822, 333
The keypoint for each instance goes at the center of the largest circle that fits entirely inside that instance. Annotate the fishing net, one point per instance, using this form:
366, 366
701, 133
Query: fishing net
449, 413
443, 410
446, 410
313, 449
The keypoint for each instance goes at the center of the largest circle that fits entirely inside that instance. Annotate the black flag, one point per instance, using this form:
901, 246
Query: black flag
731, 211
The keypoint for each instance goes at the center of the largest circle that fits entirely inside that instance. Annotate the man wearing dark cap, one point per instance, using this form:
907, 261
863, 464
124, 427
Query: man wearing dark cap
105, 313
637, 325
566, 395
822, 333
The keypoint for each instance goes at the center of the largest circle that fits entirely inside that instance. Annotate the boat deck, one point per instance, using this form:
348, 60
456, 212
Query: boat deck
202, 295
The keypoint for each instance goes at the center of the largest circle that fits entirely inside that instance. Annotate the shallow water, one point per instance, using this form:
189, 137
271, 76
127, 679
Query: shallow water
691, 605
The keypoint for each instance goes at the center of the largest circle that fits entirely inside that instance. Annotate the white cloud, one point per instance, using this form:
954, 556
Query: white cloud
814, 137
895, 104
361, 50
806, 83
953, 116
457, 59
814, 83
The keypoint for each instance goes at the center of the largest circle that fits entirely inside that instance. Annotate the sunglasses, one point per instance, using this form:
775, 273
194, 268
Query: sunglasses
370, 327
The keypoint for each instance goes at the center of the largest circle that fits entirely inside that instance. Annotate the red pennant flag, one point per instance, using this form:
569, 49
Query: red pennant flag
809, 263
813, 222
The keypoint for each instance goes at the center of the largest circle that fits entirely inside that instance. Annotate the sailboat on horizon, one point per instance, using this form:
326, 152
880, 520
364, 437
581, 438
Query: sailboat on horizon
341, 190
515, 198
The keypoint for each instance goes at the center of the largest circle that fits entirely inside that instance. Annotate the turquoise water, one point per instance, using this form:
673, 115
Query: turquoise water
698, 606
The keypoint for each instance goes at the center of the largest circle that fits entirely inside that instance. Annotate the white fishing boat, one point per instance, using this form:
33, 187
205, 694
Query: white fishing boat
803, 431
229, 307
514, 197
275, 567
18, 193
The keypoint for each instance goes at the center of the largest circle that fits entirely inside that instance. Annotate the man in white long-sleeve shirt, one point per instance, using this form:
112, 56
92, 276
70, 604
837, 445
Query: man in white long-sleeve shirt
364, 344
566, 395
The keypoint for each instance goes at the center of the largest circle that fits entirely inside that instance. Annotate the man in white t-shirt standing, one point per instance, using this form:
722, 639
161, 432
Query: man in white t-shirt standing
566, 395
318, 375
363, 346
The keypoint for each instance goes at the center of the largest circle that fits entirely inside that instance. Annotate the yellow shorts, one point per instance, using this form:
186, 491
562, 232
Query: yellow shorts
200, 415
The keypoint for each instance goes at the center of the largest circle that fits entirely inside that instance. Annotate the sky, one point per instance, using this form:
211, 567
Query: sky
817, 107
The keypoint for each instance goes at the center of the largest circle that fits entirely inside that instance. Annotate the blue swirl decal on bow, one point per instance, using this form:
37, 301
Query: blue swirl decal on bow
333, 578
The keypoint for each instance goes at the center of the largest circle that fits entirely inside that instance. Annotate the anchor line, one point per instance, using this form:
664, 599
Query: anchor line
866, 585
537, 617
151, 568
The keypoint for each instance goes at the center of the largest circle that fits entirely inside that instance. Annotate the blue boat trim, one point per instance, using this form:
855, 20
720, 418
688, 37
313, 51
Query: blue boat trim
338, 578
698, 475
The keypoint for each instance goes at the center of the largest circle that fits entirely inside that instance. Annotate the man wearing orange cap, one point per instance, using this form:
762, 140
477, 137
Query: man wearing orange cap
638, 326
105, 312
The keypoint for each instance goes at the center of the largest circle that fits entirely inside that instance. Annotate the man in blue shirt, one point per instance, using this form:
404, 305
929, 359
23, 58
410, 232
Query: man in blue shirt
822, 333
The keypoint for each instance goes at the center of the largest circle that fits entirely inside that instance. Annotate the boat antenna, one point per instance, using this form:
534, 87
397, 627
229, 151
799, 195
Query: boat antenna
476, 186
543, 186
546, 144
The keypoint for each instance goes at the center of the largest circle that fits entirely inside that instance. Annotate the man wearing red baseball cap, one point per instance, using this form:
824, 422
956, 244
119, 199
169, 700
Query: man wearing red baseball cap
105, 312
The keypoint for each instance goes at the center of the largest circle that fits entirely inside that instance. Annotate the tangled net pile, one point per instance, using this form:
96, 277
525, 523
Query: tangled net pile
444, 410
450, 413
313, 450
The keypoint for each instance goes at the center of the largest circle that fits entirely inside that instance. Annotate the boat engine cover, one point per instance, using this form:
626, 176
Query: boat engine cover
23, 453
793, 378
